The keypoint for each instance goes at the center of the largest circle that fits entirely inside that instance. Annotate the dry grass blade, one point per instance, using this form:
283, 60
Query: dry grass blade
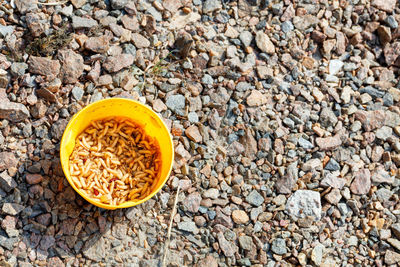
166, 246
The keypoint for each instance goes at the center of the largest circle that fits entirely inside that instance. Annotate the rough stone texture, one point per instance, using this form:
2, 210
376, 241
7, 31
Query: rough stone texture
304, 203
117, 63
44, 66
71, 65
7, 183
361, 183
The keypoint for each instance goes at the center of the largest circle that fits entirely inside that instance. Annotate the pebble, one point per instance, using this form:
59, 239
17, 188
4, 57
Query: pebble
12, 208
264, 43
255, 199
279, 246
240, 217
7, 183
361, 183
304, 203
83, 23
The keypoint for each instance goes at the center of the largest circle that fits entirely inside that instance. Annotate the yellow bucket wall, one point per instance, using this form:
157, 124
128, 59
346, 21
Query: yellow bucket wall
152, 124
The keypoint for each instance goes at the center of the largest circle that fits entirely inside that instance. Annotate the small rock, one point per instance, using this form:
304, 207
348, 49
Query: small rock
194, 134
396, 229
394, 242
117, 63
98, 44
140, 41
192, 202
12, 208
6, 30
44, 66
34, 178
25, 6
279, 246
385, 35
176, 102
228, 248
159, 106
333, 196
335, 66
317, 253
208, 261
77, 93
210, 6
256, 98
71, 65
385, 5
255, 198
119, 4
240, 217
7, 183
188, 227
246, 242
361, 183
392, 257
384, 133
304, 203
83, 23
211, 193
264, 43
14, 112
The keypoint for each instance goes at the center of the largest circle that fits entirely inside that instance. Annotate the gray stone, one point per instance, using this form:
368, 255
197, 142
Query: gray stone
396, 229
228, 248
18, 68
12, 208
188, 227
245, 242
7, 183
327, 117
67, 10
255, 198
384, 133
176, 102
14, 112
380, 175
391, 257
118, 4
6, 30
210, 6
317, 253
304, 203
287, 26
352, 241
246, 37
279, 246
335, 66
95, 248
392, 22
264, 43
77, 93
83, 23
332, 165
157, 15
207, 79
305, 143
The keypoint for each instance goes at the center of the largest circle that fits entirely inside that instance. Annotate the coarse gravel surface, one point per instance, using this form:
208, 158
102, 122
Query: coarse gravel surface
285, 117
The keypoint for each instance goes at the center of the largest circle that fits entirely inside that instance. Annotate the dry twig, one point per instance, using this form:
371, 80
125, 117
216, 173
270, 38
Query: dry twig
166, 246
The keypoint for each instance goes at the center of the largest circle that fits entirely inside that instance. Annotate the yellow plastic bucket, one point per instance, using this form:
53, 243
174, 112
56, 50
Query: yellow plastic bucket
152, 124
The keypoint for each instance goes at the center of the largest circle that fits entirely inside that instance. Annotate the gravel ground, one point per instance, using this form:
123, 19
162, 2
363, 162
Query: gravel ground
285, 117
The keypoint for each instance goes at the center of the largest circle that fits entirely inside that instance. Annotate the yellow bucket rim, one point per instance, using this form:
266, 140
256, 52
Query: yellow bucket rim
127, 204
